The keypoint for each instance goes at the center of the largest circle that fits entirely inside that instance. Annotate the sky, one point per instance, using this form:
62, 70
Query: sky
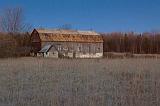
98, 15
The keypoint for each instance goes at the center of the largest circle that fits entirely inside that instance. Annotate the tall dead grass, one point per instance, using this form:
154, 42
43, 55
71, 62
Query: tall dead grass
79, 82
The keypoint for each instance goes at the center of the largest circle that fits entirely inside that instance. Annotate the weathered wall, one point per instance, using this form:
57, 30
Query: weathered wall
81, 50
78, 50
76, 47
35, 42
51, 54
87, 55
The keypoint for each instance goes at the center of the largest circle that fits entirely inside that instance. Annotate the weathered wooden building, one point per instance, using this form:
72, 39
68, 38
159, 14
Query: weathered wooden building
67, 43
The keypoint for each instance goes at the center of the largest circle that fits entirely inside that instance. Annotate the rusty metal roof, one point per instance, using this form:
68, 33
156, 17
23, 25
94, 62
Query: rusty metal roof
63, 31
70, 36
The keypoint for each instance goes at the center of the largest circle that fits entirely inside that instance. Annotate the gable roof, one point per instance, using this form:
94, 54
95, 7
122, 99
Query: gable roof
69, 36
45, 49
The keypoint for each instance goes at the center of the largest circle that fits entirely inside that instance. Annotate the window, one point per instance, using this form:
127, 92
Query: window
98, 49
59, 47
65, 48
79, 49
89, 48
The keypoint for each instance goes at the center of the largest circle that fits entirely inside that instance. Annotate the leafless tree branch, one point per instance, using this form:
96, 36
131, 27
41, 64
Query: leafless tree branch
12, 21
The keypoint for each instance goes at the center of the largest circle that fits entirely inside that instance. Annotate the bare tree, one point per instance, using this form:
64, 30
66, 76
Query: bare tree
12, 21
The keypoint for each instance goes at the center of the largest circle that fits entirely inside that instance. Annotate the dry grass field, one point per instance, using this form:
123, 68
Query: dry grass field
81, 82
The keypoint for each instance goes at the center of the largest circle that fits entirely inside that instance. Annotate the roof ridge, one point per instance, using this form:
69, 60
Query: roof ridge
64, 31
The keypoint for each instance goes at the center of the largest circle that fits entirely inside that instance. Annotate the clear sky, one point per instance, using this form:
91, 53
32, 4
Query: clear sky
99, 15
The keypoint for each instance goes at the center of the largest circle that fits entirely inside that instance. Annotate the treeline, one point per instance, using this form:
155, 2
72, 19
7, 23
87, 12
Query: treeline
14, 45
146, 43
18, 44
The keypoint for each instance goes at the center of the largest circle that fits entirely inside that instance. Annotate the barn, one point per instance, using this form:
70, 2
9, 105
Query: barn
59, 43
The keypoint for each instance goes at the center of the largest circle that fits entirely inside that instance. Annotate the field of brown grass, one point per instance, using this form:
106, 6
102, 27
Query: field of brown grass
79, 82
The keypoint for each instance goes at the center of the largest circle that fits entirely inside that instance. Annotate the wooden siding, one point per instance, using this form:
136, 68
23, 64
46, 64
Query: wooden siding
35, 41
76, 47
